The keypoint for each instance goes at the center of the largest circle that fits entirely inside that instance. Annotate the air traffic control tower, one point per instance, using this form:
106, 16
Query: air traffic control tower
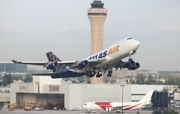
97, 15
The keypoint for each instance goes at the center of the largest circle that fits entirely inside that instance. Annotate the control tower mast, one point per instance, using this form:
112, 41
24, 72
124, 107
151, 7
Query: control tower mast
97, 15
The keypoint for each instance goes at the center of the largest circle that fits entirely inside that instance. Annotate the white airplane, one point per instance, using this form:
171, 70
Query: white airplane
96, 64
117, 106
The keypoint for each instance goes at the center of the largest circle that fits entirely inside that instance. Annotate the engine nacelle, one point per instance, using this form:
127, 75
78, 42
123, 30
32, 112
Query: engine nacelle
136, 66
52, 65
131, 65
83, 64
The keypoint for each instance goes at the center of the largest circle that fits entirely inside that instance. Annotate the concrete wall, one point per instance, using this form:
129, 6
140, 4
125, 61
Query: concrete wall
177, 96
84, 94
75, 96
20, 88
111, 93
4, 97
39, 81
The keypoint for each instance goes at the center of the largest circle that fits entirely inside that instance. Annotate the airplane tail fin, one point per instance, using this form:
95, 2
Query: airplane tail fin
147, 97
51, 57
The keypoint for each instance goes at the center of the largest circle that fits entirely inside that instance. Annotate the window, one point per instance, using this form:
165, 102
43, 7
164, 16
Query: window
129, 38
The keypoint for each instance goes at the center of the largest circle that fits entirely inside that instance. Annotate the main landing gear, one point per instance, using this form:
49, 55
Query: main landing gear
90, 74
109, 73
98, 75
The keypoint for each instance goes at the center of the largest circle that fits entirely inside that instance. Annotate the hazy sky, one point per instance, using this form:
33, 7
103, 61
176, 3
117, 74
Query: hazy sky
30, 28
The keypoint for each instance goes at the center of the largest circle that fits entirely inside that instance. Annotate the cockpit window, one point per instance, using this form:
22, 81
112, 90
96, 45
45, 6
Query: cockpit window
129, 38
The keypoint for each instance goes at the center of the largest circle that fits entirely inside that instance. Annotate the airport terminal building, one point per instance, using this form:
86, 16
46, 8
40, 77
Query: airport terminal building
45, 91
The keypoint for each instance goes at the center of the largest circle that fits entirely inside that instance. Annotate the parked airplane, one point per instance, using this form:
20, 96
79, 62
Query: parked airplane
96, 64
117, 106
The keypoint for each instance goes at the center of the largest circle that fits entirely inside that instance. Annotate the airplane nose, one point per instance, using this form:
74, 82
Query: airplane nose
136, 44
84, 106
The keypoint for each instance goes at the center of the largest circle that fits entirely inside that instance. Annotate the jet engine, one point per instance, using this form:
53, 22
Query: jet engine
136, 66
131, 65
83, 64
52, 65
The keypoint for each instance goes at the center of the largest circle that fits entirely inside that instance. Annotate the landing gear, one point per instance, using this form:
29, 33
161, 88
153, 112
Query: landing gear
118, 111
88, 111
98, 75
90, 74
109, 73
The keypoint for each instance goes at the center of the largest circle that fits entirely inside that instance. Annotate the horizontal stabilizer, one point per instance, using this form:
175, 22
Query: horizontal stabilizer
30, 63
47, 74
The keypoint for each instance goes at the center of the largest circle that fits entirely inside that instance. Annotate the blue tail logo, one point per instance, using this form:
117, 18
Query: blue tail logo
52, 58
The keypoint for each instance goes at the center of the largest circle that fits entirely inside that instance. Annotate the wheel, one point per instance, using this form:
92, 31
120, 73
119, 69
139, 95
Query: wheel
98, 75
109, 75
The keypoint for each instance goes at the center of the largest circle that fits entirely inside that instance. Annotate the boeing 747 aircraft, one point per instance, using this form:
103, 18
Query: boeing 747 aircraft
94, 65
117, 106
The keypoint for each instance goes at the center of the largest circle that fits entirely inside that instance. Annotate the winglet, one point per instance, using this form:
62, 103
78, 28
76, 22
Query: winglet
14, 61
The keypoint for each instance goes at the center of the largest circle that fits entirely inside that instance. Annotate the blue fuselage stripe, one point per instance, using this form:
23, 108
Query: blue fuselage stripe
64, 72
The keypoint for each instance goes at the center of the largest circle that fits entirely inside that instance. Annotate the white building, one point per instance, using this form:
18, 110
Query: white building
45, 90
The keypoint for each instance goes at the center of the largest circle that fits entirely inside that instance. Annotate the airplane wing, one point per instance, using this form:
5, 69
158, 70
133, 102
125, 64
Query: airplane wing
120, 64
119, 107
66, 63
30, 63
71, 64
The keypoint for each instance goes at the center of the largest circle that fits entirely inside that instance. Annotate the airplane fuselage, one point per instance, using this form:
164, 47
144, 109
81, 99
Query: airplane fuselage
109, 106
111, 56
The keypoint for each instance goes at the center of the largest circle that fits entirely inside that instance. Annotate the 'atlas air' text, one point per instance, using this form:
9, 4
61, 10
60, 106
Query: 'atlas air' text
105, 53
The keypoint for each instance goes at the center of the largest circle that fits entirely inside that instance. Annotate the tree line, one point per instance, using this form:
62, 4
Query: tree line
140, 79
151, 80
8, 78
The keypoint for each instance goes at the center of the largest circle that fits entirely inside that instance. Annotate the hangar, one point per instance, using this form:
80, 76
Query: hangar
48, 92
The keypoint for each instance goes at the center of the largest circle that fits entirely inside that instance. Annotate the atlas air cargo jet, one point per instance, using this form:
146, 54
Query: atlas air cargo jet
102, 62
117, 106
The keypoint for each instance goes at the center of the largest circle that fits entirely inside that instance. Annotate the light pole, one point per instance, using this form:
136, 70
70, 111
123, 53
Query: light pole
122, 97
